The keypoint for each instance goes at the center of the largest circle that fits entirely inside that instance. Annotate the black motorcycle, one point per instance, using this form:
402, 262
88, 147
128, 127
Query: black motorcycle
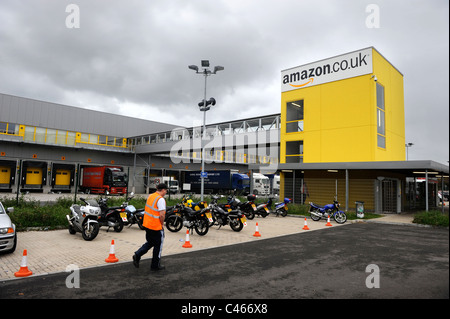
179, 215
111, 216
248, 207
222, 215
263, 209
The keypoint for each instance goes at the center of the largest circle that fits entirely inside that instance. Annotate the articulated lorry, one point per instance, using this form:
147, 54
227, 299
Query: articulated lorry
223, 181
103, 180
220, 181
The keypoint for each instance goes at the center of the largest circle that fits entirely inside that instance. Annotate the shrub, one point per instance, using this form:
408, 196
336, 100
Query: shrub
432, 217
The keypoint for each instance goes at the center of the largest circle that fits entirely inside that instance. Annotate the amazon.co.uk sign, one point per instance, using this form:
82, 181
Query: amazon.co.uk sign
337, 68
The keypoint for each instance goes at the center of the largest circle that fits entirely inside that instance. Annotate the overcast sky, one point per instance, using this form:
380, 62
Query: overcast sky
130, 57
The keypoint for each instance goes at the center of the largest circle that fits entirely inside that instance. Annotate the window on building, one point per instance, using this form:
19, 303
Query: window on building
71, 138
3, 127
294, 152
294, 116
40, 135
381, 128
61, 137
102, 139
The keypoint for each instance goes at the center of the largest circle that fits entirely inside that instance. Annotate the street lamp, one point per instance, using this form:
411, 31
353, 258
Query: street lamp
408, 145
204, 106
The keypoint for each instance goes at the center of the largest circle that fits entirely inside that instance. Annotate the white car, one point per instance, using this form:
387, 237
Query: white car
8, 235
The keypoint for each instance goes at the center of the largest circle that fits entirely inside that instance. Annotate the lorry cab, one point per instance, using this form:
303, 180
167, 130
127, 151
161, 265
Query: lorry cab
261, 184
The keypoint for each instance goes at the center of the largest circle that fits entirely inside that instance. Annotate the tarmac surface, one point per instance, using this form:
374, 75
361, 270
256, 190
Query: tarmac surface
50, 252
355, 261
53, 251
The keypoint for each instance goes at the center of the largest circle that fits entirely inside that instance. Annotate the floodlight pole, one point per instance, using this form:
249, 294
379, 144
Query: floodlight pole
202, 187
206, 72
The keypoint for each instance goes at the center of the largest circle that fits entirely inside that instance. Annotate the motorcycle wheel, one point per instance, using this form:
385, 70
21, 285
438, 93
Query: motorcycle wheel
89, 233
283, 212
174, 223
314, 217
250, 215
141, 227
72, 230
340, 217
236, 224
202, 227
119, 227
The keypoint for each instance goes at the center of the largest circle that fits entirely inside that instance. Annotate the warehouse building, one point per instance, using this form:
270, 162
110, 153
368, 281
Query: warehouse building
43, 145
340, 134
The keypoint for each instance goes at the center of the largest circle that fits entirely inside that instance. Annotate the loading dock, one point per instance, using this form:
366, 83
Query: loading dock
33, 177
7, 175
62, 177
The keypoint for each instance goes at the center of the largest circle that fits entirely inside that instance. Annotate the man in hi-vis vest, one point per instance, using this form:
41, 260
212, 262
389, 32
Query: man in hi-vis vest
155, 211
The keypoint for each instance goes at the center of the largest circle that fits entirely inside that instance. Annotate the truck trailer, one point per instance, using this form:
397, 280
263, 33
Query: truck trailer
219, 181
103, 180
171, 182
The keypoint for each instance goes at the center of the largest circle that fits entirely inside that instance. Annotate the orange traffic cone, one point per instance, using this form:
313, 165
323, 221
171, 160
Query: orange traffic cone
112, 256
187, 243
328, 222
23, 271
306, 225
257, 234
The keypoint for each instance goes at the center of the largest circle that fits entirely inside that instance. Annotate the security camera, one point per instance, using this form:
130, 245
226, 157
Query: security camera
374, 77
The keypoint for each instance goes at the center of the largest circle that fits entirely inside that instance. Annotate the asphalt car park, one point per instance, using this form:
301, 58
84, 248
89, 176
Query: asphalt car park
356, 261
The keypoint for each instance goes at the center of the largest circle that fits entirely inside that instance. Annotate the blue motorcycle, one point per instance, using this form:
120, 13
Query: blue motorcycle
281, 207
317, 212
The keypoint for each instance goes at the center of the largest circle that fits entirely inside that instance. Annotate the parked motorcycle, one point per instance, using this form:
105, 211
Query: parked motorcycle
134, 216
281, 207
248, 207
188, 202
111, 216
219, 216
179, 215
84, 219
263, 209
317, 212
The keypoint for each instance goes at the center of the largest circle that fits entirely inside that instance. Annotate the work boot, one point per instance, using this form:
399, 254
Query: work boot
136, 260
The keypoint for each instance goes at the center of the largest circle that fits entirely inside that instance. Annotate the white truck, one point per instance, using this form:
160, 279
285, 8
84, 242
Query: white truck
171, 182
276, 184
261, 184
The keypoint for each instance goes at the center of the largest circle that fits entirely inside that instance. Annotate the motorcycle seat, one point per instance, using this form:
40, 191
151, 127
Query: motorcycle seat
317, 206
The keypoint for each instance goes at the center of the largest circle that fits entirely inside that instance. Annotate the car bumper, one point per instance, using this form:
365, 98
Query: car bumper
7, 242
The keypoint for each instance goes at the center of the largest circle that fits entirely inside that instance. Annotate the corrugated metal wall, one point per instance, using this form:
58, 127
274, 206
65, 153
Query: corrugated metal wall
31, 112
321, 187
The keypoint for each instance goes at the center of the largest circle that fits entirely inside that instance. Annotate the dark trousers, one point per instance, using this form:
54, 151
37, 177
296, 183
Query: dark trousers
155, 239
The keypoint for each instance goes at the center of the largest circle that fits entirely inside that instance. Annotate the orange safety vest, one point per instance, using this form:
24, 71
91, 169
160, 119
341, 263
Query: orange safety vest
151, 214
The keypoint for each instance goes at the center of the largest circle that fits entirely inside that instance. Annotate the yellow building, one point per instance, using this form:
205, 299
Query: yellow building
339, 117
348, 108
